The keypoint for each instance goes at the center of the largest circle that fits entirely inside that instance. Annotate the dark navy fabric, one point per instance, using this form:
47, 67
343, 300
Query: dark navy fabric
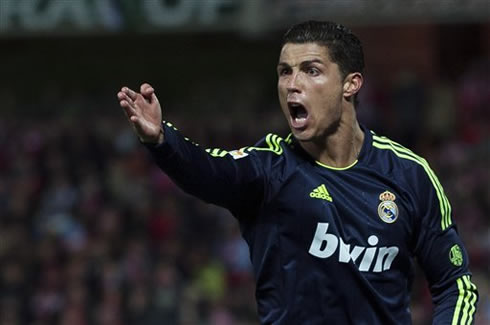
320, 249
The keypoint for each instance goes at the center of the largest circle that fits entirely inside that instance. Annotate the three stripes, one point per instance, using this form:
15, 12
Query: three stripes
273, 144
465, 306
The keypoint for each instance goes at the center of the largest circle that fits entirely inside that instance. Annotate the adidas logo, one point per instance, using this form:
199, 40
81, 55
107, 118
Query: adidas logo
321, 193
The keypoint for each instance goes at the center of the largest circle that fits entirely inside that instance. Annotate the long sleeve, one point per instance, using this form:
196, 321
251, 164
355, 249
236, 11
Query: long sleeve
443, 257
235, 180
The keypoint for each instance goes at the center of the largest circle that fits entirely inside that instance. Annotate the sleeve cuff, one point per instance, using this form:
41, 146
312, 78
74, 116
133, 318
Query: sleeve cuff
169, 140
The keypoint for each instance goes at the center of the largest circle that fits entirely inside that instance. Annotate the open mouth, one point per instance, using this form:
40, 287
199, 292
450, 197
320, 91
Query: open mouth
298, 113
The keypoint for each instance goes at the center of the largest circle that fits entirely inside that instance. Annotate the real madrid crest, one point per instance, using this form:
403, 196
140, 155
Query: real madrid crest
387, 208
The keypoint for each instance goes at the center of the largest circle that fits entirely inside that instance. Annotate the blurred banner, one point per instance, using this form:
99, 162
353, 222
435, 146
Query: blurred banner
40, 17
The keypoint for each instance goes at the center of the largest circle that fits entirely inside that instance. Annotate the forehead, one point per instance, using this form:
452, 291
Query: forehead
293, 53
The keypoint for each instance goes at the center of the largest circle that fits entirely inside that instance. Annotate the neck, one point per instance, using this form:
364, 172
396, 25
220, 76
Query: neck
340, 148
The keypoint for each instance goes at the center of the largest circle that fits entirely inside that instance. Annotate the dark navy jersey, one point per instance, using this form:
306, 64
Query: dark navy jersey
333, 245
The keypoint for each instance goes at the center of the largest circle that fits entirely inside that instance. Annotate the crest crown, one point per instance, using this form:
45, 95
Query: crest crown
387, 196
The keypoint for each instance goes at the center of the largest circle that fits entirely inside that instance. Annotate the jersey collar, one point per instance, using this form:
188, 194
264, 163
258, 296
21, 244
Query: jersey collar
363, 153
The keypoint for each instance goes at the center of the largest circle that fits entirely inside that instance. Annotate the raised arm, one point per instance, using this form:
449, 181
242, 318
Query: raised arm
234, 180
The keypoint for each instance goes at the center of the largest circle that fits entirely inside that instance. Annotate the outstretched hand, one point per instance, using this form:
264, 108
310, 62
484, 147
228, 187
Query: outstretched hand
143, 111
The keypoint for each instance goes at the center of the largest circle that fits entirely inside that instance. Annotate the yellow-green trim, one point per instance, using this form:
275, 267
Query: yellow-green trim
337, 168
459, 302
445, 220
273, 145
273, 142
471, 303
466, 301
402, 152
170, 125
217, 152
465, 305
289, 140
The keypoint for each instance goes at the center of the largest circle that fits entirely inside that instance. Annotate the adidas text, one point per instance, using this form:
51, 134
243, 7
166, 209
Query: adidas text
325, 245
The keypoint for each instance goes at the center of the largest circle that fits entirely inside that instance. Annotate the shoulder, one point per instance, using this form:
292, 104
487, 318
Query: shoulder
396, 157
274, 154
272, 145
403, 163
415, 171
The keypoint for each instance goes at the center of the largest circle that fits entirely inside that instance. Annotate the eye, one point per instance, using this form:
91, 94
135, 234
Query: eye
312, 71
284, 71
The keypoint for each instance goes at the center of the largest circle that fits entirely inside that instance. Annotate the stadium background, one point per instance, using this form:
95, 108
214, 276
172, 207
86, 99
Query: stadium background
91, 232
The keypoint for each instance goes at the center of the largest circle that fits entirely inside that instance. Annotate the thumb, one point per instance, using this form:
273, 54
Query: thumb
153, 98
147, 90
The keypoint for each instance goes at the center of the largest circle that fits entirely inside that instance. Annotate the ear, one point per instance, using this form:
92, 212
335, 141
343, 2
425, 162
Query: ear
352, 84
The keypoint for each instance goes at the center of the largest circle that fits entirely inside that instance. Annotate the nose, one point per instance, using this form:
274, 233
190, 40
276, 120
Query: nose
293, 85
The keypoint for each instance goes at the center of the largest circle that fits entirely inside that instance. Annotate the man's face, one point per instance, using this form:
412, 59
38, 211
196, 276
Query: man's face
310, 90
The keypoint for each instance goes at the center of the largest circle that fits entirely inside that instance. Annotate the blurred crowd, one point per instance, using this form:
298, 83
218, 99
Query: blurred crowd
92, 232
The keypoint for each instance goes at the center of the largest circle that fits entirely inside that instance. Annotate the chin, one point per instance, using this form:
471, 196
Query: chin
302, 135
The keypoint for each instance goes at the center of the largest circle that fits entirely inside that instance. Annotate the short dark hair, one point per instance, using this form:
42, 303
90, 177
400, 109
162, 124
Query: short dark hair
344, 48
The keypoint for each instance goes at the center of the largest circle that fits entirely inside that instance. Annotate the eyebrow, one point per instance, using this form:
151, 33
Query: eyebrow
307, 62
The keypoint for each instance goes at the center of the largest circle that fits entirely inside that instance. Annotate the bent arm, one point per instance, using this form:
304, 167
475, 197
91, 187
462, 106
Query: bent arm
445, 262
443, 257
441, 253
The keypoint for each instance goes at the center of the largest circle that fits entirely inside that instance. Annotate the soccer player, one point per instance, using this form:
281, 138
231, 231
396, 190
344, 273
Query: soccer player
334, 214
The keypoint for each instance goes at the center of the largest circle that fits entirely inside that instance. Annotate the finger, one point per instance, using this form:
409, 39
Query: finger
128, 108
131, 93
128, 102
122, 96
154, 98
146, 89
130, 105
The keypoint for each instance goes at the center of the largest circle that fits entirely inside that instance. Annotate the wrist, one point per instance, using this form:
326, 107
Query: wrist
161, 137
155, 141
